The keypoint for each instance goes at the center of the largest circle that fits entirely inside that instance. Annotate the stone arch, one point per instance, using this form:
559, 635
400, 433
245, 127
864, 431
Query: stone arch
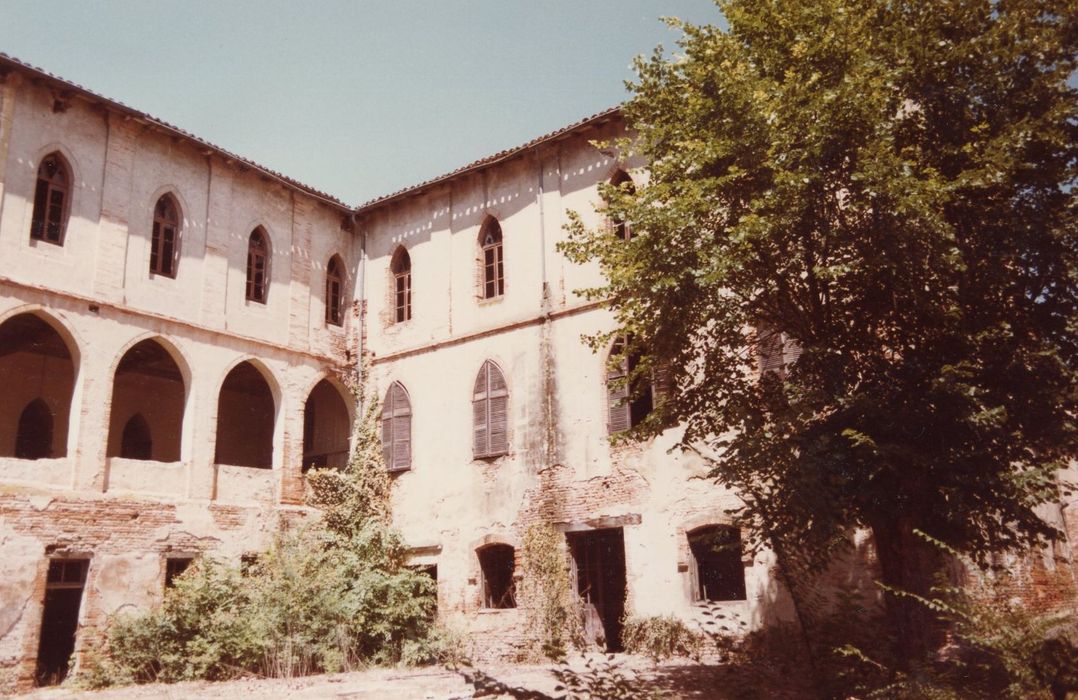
247, 404
38, 362
327, 426
150, 388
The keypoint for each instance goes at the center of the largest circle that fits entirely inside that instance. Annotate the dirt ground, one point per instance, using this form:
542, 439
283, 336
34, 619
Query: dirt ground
673, 680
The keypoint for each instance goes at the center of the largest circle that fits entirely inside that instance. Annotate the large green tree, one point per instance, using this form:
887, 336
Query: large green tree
890, 185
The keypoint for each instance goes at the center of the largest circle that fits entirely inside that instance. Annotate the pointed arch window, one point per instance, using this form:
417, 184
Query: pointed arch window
402, 286
618, 227
490, 240
257, 266
165, 241
397, 429
334, 291
51, 200
490, 413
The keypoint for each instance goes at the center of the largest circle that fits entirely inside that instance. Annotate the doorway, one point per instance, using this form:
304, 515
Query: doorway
598, 570
60, 619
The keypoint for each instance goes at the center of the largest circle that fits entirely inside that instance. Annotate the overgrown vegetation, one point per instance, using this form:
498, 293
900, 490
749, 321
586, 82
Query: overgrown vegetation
552, 607
661, 637
332, 596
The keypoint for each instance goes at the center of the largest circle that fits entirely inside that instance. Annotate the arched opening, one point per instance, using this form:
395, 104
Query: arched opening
326, 428
493, 274
148, 399
334, 291
258, 252
38, 375
245, 418
136, 442
33, 440
165, 240
401, 269
51, 200
497, 563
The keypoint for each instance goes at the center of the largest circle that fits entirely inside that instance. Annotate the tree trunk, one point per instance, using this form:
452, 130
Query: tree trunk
908, 564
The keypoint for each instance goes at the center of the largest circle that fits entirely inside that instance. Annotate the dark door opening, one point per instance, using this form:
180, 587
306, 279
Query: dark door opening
598, 558
60, 619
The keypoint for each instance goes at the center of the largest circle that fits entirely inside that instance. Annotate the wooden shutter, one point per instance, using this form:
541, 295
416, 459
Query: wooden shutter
397, 429
387, 430
661, 382
480, 426
769, 350
791, 350
490, 412
617, 392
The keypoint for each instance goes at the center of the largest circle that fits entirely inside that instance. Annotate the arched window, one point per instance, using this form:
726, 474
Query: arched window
490, 240
334, 291
136, 442
490, 413
33, 438
257, 266
622, 229
497, 563
165, 242
397, 429
716, 569
51, 197
401, 268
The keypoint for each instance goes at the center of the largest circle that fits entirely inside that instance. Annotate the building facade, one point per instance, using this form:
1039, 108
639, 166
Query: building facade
176, 324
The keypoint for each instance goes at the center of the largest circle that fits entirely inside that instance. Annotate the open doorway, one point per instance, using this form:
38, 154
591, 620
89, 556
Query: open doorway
60, 618
598, 570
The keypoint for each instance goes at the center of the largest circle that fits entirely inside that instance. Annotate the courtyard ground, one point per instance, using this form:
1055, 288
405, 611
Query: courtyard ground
673, 680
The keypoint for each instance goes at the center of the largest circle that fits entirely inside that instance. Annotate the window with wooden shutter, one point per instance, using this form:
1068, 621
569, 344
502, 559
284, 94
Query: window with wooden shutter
490, 240
397, 429
165, 238
490, 413
775, 351
49, 220
257, 266
334, 291
629, 401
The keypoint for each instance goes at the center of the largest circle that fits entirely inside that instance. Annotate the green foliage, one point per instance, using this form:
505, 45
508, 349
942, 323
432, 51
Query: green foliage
329, 597
892, 186
552, 609
661, 637
600, 679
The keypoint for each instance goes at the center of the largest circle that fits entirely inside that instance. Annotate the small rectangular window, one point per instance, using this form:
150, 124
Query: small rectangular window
497, 564
717, 569
174, 567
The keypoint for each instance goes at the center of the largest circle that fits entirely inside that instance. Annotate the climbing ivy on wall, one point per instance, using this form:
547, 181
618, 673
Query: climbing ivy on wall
552, 611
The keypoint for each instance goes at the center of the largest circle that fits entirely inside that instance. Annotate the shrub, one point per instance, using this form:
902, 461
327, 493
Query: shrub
661, 637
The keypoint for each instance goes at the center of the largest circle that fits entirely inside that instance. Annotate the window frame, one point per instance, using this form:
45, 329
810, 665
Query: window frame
490, 557
162, 265
630, 402
334, 292
46, 188
397, 419
257, 290
735, 564
616, 227
401, 273
491, 260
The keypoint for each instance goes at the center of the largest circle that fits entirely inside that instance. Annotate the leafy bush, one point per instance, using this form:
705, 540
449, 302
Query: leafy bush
661, 637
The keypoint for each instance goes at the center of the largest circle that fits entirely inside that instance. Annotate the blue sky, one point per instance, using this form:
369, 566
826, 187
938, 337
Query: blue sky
355, 98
